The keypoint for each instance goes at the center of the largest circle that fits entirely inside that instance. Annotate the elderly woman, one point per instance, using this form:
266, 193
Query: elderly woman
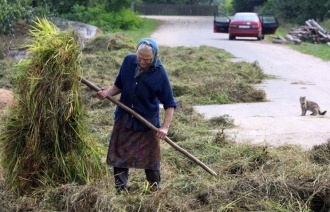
143, 84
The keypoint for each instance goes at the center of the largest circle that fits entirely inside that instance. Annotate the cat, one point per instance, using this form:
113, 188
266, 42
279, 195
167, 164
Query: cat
311, 106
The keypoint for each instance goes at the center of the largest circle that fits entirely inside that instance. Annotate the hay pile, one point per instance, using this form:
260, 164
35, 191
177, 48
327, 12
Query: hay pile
6, 99
45, 141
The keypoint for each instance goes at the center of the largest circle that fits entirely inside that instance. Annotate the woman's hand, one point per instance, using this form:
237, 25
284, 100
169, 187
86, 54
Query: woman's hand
112, 91
102, 94
162, 133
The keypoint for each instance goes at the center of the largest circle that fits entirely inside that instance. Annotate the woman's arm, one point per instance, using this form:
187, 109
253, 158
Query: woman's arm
163, 130
112, 91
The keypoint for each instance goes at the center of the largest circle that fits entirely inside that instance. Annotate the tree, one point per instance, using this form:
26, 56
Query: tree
228, 7
189, 2
299, 11
246, 5
65, 6
13, 10
165, 1
10, 12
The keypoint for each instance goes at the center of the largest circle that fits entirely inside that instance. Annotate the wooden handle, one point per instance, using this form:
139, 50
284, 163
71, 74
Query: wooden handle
151, 126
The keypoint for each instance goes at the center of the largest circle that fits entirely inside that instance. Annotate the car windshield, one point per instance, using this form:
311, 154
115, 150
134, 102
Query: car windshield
245, 17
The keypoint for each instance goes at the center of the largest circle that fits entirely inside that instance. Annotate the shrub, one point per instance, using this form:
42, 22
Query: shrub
107, 21
128, 19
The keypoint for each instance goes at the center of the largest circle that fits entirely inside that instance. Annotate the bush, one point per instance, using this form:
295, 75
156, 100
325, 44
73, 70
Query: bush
298, 11
107, 21
128, 19
228, 7
10, 13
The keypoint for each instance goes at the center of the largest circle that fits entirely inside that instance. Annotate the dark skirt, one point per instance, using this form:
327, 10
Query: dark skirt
133, 149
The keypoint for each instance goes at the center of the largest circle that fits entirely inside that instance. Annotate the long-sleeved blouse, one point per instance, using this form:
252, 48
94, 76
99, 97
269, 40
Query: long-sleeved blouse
143, 92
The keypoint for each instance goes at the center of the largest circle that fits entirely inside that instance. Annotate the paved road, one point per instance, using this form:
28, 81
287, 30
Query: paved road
275, 122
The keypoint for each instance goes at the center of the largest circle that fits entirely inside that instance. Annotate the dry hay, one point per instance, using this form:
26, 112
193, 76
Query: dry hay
45, 137
320, 154
205, 75
6, 99
110, 42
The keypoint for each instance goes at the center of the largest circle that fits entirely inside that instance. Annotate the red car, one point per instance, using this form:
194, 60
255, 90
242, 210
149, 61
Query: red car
245, 24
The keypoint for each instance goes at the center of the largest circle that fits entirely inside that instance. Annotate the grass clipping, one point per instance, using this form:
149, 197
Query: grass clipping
44, 142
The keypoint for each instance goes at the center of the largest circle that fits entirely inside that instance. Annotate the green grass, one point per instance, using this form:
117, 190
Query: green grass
320, 50
148, 26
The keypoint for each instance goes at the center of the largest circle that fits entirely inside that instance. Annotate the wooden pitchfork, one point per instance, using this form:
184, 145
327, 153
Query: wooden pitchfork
144, 121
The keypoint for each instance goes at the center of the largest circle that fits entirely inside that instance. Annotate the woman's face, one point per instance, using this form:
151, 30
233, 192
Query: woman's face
144, 57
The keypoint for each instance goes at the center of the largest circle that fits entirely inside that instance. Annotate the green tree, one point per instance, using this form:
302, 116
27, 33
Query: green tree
299, 11
65, 6
117, 5
228, 7
10, 12
165, 1
189, 2
246, 5
13, 10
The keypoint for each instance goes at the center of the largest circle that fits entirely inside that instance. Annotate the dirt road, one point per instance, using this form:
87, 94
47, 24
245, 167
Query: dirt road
275, 122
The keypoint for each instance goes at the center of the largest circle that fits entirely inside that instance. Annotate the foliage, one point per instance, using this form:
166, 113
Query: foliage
118, 5
65, 6
228, 7
164, 1
77, 10
45, 142
246, 5
12, 11
124, 19
299, 11
148, 25
188, 2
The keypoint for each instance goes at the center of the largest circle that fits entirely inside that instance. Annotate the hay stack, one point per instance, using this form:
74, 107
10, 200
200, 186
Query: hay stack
6, 99
45, 141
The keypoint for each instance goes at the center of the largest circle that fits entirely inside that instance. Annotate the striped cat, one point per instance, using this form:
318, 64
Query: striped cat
311, 106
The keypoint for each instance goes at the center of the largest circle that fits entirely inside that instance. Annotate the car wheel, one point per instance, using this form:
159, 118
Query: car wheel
231, 37
259, 37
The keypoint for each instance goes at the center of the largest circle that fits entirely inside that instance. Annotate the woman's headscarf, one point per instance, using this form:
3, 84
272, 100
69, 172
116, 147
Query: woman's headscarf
156, 61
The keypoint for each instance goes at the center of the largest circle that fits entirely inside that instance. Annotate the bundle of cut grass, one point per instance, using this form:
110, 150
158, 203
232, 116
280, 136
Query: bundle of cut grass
45, 141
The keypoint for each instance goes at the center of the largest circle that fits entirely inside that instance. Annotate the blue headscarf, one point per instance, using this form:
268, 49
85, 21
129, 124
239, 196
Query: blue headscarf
156, 60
